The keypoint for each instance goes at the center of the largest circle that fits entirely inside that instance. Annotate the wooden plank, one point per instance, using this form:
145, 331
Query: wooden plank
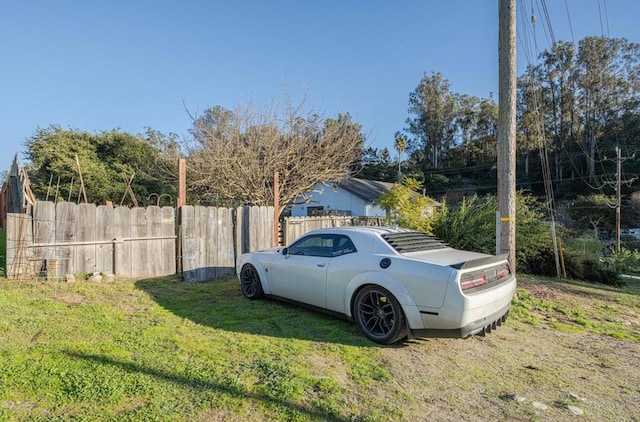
122, 230
269, 241
66, 218
18, 237
200, 233
224, 243
86, 232
139, 261
154, 247
104, 232
254, 229
189, 250
44, 232
211, 259
265, 234
168, 245
243, 234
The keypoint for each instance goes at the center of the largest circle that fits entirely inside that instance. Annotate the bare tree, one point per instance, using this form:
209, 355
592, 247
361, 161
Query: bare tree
233, 155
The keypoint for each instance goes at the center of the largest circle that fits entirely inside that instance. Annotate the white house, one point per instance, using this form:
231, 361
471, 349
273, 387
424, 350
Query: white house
351, 196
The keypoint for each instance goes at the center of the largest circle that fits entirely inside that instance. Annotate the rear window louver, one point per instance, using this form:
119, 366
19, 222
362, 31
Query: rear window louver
404, 242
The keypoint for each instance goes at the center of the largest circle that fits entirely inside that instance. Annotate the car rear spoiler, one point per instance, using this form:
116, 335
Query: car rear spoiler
480, 262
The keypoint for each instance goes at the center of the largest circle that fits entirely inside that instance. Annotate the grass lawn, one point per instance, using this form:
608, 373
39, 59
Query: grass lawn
162, 349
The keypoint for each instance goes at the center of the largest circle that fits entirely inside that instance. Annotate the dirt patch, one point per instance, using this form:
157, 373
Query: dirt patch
71, 298
552, 372
325, 367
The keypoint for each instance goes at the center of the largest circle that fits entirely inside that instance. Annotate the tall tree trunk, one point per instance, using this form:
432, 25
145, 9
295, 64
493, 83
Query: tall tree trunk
592, 155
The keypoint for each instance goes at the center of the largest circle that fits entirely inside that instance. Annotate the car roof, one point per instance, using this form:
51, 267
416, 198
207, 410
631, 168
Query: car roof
399, 239
362, 229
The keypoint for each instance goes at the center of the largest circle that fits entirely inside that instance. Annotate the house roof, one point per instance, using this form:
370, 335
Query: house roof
368, 190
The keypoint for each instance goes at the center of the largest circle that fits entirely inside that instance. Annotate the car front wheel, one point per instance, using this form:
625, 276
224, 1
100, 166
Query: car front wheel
379, 315
250, 282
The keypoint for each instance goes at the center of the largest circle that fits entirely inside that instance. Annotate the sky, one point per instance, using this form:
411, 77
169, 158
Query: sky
97, 65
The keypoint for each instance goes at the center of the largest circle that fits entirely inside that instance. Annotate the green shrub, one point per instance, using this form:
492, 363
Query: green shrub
471, 225
589, 268
409, 208
626, 260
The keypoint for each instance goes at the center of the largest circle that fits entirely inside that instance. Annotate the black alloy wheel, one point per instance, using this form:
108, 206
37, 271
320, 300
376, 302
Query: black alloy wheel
250, 282
379, 315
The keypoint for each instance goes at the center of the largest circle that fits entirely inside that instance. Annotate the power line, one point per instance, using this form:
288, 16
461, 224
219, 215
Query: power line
573, 40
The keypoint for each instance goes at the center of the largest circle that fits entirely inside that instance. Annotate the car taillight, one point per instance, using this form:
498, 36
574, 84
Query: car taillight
502, 272
469, 281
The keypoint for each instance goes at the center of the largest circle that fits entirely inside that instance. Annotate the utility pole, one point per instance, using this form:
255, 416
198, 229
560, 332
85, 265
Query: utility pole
507, 128
618, 196
618, 187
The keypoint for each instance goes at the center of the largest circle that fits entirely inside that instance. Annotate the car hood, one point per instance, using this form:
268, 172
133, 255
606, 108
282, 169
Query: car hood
269, 251
447, 256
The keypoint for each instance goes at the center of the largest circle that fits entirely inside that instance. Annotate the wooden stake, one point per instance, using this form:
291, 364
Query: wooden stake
182, 183
84, 192
276, 207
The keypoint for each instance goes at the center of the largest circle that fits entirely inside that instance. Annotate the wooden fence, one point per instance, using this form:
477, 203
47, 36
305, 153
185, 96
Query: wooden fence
212, 238
65, 238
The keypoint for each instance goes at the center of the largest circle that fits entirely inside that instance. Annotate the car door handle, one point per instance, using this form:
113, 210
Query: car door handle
321, 265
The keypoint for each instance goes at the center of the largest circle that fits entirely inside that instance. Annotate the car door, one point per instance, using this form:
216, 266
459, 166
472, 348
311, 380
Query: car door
301, 274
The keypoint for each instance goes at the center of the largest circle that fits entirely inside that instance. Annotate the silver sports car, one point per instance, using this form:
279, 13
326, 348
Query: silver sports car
392, 282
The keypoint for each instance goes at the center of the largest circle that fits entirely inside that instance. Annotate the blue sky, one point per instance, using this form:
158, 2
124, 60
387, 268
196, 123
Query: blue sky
97, 65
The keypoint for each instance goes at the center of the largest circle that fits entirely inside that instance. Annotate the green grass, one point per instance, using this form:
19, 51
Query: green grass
592, 308
166, 350
161, 349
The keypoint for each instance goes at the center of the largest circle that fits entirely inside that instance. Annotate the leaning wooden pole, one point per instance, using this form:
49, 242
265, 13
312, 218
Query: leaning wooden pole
507, 128
84, 192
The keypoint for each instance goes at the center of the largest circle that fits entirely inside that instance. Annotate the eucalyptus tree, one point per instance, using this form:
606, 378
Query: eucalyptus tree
559, 79
433, 111
529, 117
608, 86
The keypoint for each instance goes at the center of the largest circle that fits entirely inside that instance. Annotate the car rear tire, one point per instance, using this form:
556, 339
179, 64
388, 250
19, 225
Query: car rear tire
379, 315
250, 282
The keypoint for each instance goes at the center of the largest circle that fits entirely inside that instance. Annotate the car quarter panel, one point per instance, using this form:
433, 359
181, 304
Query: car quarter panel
427, 283
401, 294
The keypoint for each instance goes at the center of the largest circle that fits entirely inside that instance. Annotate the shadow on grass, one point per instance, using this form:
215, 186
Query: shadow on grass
221, 305
221, 387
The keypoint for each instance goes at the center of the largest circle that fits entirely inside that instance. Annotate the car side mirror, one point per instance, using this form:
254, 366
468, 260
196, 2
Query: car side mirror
285, 251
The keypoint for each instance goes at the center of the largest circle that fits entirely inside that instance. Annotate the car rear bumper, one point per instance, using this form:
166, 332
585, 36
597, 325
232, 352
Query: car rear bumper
481, 326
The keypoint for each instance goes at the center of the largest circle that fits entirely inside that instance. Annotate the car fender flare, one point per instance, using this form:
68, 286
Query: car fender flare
264, 280
402, 295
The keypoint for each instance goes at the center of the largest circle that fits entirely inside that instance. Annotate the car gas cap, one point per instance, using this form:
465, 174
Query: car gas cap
385, 263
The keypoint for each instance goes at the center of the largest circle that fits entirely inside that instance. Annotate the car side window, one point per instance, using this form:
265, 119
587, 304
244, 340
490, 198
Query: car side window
315, 245
342, 245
